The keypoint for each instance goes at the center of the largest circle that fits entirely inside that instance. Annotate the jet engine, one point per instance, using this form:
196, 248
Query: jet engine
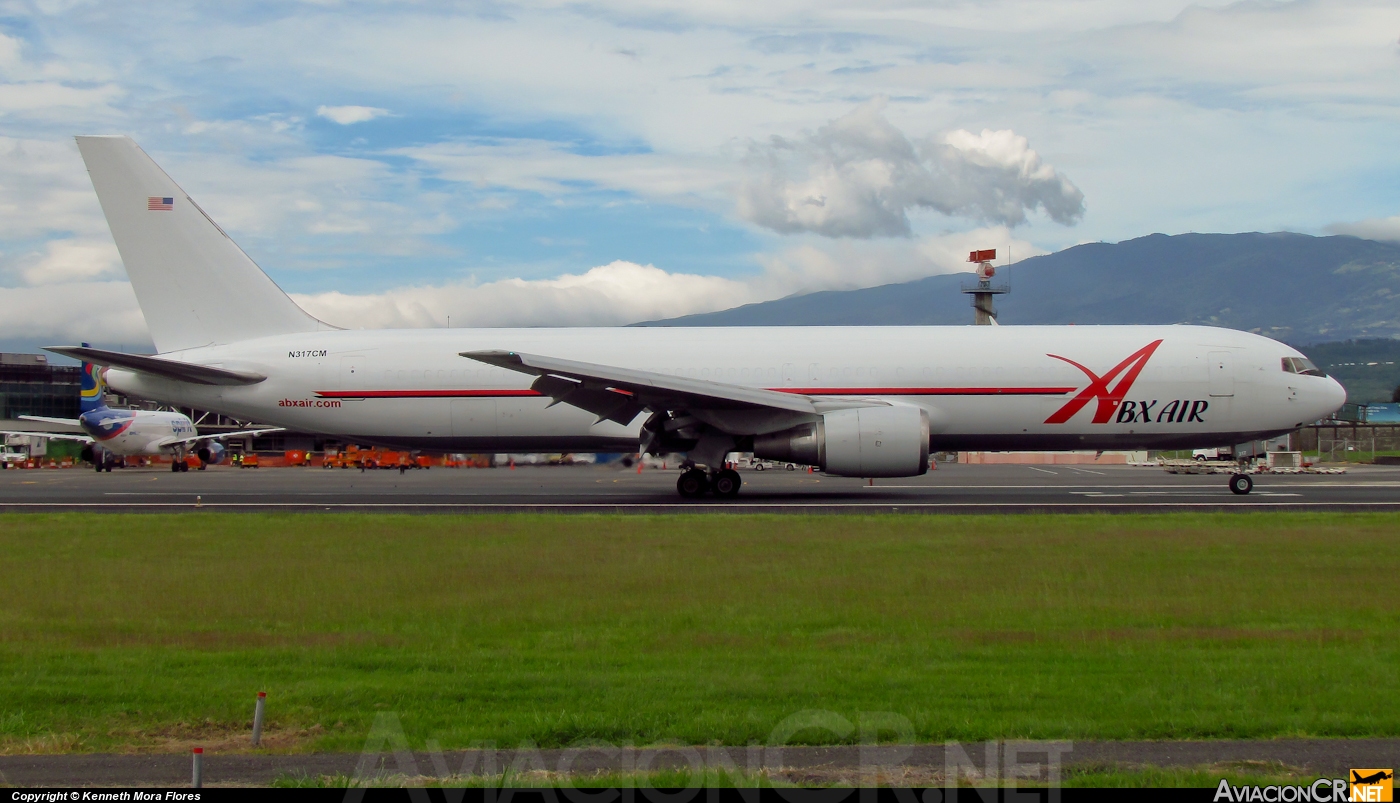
211, 452
864, 442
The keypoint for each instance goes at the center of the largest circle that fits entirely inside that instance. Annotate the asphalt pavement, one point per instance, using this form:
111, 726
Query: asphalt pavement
953, 488
911, 765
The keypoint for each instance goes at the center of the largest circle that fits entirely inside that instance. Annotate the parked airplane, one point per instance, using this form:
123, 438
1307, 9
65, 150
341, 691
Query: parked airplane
116, 433
862, 402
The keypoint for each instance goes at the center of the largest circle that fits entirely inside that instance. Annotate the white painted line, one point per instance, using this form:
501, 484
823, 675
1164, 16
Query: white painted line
1043, 470
1225, 501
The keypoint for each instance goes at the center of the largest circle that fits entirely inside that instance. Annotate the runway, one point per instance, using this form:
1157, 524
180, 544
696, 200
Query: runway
582, 489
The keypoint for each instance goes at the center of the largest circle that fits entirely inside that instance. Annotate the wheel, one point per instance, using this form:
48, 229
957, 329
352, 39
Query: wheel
1241, 484
175, 466
1200, 458
726, 483
108, 468
184, 466
97, 466
693, 484
791, 467
758, 467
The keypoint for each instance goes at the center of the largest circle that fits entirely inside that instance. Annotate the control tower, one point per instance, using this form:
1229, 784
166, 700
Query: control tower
983, 290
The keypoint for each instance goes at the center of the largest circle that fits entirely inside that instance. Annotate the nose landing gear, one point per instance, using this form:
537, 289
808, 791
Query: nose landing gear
1241, 484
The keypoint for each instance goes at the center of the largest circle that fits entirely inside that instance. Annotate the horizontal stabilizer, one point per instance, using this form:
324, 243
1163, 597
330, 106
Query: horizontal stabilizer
63, 422
159, 366
62, 436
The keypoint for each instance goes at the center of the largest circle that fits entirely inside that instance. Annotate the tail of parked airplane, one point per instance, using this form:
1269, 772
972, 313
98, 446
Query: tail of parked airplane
195, 286
90, 397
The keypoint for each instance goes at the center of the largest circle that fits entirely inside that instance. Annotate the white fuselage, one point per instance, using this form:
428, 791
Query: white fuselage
137, 432
1009, 387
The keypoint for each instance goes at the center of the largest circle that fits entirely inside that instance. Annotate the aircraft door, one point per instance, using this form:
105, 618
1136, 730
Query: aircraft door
474, 418
1222, 373
354, 373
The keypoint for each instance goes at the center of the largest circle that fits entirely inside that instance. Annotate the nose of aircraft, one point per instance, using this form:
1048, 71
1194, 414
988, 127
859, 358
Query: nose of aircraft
1332, 397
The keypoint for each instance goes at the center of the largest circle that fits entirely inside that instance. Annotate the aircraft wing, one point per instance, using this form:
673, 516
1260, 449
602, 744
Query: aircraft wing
70, 422
55, 435
619, 394
160, 366
242, 433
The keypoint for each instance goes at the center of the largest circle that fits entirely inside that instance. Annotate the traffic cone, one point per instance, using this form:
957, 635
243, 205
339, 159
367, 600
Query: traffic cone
512, 464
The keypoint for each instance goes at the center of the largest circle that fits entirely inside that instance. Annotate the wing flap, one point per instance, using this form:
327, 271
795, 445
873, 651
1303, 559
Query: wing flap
646, 388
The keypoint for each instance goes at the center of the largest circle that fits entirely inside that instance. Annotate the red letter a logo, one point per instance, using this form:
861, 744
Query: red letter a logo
1099, 389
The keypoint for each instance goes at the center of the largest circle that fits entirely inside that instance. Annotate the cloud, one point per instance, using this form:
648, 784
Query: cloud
346, 115
73, 312
858, 176
1386, 229
625, 292
608, 295
64, 261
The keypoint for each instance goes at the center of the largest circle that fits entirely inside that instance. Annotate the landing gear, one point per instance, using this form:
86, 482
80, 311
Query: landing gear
693, 484
1241, 484
97, 464
726, 483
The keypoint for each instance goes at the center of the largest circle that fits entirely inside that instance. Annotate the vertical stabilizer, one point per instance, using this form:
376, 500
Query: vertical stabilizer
195, 286
90, 397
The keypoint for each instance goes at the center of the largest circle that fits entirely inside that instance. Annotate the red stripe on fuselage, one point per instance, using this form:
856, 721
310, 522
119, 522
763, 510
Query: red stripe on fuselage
927, 391
525, 392
424, 394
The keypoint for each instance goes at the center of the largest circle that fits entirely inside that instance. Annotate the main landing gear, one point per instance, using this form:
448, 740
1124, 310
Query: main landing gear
694, 483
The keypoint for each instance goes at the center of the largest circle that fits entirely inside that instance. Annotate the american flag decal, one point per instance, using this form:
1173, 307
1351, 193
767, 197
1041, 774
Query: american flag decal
154, 204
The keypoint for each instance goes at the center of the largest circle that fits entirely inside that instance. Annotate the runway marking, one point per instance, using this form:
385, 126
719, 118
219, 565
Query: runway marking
1045, 470
899, 505
1084, 470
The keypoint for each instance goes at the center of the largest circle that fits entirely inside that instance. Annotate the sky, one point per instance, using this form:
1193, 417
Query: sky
421, 164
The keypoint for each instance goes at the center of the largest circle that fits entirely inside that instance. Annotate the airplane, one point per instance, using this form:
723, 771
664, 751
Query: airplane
850, 401
1373, 778
112, 433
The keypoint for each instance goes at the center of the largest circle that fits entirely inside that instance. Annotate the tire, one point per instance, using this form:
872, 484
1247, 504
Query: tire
726, 483
1200, 458
1241, 484
692, 484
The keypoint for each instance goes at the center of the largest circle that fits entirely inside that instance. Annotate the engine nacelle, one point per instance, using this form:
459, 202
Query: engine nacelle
211, 453
864, 442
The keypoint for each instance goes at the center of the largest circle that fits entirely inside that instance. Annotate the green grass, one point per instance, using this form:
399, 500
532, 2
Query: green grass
155, 632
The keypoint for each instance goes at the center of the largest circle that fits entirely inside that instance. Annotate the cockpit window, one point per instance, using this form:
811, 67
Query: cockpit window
1301, 365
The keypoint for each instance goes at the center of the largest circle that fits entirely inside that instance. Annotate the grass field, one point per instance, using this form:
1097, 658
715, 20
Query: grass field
154, 632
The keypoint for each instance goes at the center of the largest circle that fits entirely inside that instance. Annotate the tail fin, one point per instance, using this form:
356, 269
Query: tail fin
90, 397
195, 286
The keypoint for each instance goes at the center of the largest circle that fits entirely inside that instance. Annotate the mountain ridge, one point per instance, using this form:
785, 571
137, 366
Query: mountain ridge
1292, 287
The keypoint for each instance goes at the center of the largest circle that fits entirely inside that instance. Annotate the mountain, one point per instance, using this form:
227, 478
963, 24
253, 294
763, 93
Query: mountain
1291, 287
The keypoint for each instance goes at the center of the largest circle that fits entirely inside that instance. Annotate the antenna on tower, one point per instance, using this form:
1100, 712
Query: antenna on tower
983, 290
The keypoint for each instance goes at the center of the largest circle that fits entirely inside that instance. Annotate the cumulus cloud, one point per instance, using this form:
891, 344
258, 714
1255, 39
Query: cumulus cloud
65, 261
1386, 229
347, 115
612, 294
625, 292
858, 176
73, 312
